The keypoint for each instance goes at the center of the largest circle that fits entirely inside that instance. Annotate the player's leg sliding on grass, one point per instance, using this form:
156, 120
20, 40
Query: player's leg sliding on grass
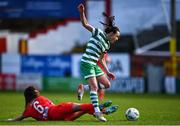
41, 108
81, 109
97, 46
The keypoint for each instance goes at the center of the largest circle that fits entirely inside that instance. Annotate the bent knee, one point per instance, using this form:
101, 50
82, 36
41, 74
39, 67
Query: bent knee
107, 85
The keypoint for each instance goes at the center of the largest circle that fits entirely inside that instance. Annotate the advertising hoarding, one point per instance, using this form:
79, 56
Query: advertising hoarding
25, 80
7, 81
39, 8
119, 64
128, 85
53, 65
10, 63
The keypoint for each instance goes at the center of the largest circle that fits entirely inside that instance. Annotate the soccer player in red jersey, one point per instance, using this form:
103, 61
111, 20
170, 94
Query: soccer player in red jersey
42, 109
101, 89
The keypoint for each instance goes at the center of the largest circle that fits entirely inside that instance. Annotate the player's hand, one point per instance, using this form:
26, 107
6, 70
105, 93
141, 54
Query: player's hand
111, 76
81, 8
10, 120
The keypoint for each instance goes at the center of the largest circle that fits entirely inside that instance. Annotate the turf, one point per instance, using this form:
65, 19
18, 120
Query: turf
154, 109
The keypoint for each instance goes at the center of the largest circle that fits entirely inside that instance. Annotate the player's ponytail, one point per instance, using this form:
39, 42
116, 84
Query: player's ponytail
110, 26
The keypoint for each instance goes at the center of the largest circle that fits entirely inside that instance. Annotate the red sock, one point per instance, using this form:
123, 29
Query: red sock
87, 108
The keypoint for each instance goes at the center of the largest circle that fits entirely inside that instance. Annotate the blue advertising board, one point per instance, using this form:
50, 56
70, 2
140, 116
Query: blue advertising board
39, 8
33, 64
58, 66
47, 65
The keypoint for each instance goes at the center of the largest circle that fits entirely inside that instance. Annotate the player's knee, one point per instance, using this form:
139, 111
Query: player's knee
108, 85
94, 88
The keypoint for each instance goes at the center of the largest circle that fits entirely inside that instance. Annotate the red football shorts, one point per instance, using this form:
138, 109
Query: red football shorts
61, 111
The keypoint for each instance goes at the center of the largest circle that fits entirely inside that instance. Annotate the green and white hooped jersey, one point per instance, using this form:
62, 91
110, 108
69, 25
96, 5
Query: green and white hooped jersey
97, 45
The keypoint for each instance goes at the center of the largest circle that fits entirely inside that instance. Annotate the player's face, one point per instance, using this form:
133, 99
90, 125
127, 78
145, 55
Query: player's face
37, 92
114, 37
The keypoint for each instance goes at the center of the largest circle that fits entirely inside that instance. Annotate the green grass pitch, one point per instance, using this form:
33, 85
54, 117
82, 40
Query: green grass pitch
154, 109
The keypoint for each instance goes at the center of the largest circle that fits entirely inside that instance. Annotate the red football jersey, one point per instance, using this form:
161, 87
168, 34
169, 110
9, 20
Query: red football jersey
99, 64
38, 108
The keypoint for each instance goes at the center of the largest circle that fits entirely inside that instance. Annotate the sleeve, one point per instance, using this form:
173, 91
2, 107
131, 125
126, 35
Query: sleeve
95, 31
26, 112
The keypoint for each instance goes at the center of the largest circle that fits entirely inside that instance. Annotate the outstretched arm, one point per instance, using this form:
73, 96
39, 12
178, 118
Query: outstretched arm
18, 118
84, 21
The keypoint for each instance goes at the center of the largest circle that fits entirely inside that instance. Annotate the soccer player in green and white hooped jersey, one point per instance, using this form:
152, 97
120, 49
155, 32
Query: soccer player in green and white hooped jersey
98, 44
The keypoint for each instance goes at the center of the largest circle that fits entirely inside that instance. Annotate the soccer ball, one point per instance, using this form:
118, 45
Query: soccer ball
132, 114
